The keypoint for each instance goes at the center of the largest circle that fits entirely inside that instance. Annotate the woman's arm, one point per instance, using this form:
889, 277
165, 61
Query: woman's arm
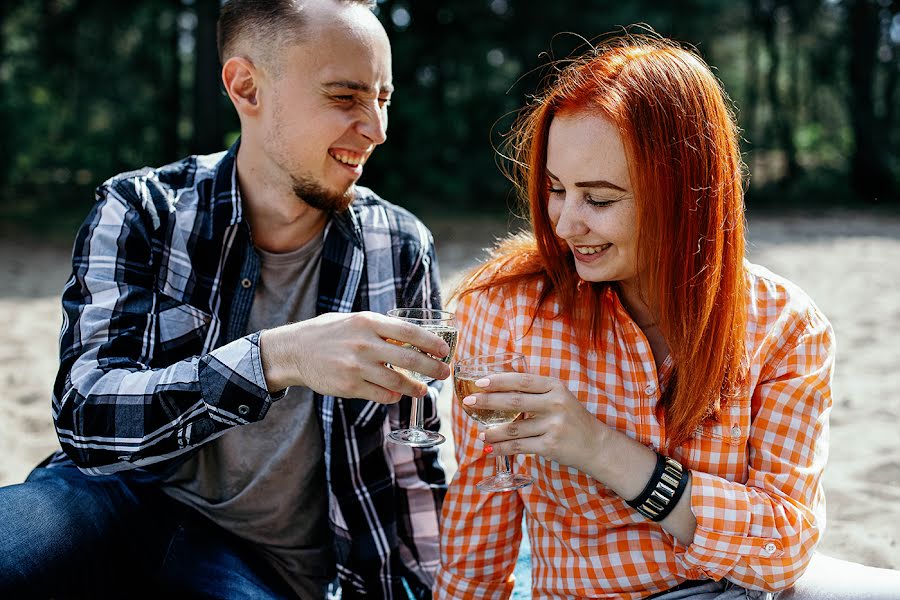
759, 533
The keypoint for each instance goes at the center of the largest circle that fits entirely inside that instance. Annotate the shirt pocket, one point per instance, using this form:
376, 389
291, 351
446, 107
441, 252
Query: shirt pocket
181, 328
721, 448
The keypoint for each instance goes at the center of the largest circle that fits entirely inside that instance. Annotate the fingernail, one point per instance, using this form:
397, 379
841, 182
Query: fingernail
469, 400
483, 382
488, 449
481, 436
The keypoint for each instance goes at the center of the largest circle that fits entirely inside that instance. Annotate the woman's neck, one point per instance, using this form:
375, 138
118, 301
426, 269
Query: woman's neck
646, 319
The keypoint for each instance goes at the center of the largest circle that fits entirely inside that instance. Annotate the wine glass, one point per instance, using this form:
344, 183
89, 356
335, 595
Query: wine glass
465, 373
442, 324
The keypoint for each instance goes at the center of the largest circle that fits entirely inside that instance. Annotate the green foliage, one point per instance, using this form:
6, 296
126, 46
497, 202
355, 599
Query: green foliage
88, 92
89, 88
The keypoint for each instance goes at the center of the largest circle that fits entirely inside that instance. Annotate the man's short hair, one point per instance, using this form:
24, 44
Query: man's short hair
269, 24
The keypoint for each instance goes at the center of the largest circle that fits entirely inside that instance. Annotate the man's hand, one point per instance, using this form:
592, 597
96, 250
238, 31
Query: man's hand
344, 354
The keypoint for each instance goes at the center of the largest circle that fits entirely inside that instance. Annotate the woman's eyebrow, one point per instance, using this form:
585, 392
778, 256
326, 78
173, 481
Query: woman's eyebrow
598, 183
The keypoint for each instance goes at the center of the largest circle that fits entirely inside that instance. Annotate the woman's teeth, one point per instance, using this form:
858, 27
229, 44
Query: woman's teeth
591, 249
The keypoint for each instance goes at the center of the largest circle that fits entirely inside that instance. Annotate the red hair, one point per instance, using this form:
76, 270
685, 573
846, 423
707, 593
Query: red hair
681, 143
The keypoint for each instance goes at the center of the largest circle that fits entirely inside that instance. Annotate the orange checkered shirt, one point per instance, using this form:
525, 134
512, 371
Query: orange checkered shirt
756, 475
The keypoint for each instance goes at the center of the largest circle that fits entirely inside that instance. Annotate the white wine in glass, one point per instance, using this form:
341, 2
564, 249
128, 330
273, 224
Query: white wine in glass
465, 373
442, 324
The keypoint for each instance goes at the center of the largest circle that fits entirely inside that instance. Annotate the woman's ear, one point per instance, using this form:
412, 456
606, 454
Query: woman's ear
241, 79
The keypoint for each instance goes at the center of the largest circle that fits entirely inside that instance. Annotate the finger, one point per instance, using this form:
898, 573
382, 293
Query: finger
409, 333
515, 430
394, 380
414, 361
510, 401
376, 393
523, 382
529, 445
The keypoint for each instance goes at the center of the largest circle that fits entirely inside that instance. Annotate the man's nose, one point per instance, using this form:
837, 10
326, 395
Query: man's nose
373, 125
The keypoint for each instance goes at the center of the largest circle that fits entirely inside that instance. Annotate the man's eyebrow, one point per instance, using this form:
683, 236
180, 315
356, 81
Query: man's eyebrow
357, 86
598, 183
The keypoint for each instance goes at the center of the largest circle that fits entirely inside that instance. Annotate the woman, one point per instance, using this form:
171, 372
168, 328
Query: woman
679, 396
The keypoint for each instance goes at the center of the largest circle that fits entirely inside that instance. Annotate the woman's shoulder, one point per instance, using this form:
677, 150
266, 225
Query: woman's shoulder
777, 303
490, 284
768, 287
513, 269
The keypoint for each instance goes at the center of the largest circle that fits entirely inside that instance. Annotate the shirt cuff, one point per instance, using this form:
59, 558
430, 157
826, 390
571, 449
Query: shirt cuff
232, 382
723, 510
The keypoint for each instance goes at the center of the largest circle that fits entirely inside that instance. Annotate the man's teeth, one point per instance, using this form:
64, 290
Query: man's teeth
353, 161
591, 249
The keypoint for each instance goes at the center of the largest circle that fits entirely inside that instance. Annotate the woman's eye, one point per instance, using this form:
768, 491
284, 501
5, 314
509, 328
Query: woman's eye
554, 191
597, 201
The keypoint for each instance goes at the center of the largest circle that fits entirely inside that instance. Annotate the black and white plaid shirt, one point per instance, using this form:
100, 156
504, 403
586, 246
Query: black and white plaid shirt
155, 360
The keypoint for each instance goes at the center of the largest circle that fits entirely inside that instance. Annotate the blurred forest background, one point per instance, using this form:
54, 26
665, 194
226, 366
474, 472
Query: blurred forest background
89, 88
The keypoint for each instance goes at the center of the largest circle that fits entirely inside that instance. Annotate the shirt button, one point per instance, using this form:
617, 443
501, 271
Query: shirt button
246, 283
650, 389
770, 548
243, 409
735, 431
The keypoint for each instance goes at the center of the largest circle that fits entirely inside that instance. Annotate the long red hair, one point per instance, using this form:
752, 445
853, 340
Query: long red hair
681, 142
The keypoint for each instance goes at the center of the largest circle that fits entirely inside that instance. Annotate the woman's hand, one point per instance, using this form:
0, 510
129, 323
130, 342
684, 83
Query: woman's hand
558, 426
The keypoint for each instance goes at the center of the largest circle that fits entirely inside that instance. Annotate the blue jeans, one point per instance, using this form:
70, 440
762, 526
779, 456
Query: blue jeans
64, 534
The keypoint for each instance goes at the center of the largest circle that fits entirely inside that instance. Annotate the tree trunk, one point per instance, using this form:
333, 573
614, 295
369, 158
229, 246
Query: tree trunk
207, 137
751, 98
869, 171
5, 112
780, 119
171, 83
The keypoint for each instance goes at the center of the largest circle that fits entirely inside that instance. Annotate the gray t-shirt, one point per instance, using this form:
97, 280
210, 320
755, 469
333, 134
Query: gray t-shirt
265, 482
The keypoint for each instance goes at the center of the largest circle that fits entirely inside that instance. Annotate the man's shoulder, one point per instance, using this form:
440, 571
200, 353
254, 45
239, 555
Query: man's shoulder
169, 181
373, 211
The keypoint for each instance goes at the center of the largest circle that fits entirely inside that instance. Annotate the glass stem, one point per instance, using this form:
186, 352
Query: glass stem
504, 469
415, 415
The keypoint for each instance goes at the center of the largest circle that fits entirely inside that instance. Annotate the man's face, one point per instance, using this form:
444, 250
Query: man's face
326, 110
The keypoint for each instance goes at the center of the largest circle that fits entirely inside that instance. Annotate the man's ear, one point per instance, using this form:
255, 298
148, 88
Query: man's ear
241, 79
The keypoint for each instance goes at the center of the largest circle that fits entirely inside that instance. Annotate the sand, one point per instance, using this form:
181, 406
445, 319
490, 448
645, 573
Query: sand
847, 262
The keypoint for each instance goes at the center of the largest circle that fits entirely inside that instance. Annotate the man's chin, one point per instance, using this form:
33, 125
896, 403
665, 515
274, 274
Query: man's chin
322, 198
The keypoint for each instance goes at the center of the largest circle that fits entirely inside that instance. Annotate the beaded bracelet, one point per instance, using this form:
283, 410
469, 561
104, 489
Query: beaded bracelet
663, 491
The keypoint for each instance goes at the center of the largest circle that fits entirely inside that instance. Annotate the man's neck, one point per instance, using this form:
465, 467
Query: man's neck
279, 221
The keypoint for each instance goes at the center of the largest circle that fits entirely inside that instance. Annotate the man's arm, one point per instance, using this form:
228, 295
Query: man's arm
123, 400
114, 406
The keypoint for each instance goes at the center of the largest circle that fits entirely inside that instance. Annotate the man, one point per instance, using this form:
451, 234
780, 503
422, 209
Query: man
220, 451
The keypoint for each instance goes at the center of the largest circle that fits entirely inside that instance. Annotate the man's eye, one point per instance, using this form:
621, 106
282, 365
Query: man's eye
384, 102
346, 98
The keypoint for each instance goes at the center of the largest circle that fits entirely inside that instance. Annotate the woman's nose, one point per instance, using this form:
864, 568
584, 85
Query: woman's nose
569, 222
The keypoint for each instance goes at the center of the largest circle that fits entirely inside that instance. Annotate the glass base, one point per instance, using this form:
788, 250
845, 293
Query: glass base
417, 438
506, 482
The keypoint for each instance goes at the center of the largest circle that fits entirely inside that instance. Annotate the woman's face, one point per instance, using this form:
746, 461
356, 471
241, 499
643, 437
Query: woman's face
591, 204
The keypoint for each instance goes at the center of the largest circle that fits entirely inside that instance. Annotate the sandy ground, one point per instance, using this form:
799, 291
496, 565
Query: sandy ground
847, 262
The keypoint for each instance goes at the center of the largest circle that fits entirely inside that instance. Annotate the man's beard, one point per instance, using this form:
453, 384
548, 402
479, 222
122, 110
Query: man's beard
314, 194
